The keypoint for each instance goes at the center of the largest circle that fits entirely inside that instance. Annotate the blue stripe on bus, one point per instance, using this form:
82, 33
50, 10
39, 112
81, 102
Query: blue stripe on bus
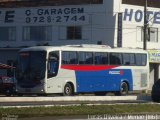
104, 80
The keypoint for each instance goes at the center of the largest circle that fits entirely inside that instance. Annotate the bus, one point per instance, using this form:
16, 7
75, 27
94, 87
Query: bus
74, 69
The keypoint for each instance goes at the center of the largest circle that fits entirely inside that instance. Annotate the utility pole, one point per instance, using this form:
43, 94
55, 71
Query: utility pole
145, 38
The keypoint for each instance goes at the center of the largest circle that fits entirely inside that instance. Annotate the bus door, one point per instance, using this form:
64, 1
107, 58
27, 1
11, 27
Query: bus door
53, 64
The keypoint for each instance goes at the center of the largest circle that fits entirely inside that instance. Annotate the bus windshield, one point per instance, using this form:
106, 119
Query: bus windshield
31, 68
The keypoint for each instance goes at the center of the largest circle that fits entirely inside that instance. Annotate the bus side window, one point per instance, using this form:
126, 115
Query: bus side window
132, 59
126, 59
69, 57
85, 58
141, 59
115, 58
73, 58
53, 64
101, 58
144, 60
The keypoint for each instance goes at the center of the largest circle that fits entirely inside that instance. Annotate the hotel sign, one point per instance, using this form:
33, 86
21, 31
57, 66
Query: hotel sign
154, 56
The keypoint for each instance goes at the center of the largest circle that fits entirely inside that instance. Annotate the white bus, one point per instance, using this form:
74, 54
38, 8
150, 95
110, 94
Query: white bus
81, 69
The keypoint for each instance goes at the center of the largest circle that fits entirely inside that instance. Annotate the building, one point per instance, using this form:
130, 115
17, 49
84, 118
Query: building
118, 23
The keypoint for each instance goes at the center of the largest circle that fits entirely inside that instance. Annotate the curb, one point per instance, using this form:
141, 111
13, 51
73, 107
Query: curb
74, 98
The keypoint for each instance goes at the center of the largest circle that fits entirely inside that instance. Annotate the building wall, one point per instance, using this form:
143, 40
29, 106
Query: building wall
8, 54
34, 3
98, 22
98, 26
132, 22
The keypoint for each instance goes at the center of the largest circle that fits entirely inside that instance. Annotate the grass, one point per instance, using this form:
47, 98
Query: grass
82, 110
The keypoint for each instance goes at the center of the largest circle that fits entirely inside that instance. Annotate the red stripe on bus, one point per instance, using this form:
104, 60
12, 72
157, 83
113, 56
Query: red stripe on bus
87, 67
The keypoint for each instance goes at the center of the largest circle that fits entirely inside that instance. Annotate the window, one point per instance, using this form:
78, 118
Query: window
7, 33
101, 58
152, 34
115, 58
141, 59
128, 59
37, 33
85, 58
74, 32
69, 58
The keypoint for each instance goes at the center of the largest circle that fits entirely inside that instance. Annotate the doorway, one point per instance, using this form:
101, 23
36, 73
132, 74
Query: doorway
154, 74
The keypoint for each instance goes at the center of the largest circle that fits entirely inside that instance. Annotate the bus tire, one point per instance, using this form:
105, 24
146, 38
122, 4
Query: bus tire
123, 89
68, 89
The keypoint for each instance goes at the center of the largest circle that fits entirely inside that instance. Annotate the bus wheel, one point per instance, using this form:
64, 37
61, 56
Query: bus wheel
124, 88
68, 90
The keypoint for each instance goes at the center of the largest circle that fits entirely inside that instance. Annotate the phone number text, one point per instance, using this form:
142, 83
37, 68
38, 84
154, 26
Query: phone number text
55, 19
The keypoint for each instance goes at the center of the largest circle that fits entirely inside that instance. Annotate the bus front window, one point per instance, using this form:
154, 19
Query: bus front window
31, 68
53, 64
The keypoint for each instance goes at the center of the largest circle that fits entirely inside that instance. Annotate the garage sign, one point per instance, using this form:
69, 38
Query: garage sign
44, 15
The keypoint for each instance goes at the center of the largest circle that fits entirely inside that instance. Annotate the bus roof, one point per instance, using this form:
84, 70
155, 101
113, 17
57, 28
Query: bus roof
88, 48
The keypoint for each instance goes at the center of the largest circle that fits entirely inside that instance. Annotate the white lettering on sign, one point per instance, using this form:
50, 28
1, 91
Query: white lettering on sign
154, 56
119, 72
138, 15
